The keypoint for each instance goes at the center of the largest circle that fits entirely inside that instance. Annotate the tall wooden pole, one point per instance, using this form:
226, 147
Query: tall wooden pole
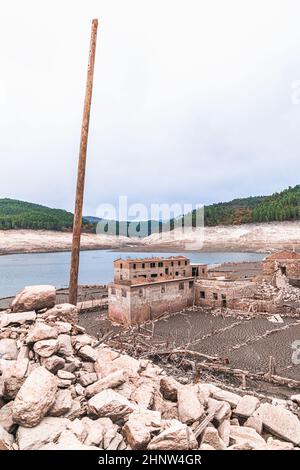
73, 284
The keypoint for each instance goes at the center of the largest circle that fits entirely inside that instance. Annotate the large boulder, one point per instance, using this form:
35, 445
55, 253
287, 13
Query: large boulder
46, 347
48, 430
280, 422
189, 407
62, 404
141, 423
110, 404
35, 397
34, 298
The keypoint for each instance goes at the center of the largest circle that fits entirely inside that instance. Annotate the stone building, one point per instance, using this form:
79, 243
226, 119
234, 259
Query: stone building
285, 262
145, 288
224, 293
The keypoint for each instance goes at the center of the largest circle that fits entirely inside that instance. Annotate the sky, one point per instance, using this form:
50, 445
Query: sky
194, 101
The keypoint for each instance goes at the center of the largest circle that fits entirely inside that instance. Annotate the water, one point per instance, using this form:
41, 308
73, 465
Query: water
96, 267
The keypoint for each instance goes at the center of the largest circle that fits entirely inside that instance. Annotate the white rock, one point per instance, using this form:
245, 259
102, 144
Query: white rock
275, 444
189, 407
48, 430
6, 439
255, 423
223, 395
63, 374
14, 377
246, 406
211, 437
296, 399
65, 345
7, 319
62, 404
280, 422
35, 397
169, 388
111, 404
34, 298
177, 436
223, 412
88, 353
46, 347
224, 431
65, 312
77, 428
41, 331
143, 395
87, 378
53, 363
6, 418
245, 435
110, 381
8, 349
94, 432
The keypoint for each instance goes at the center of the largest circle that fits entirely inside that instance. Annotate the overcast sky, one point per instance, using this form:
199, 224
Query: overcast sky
193, 99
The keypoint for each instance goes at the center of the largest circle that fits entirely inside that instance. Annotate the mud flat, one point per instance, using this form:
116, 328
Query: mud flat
249, 237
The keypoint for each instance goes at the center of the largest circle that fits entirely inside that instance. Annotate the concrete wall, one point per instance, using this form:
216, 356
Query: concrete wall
119, 304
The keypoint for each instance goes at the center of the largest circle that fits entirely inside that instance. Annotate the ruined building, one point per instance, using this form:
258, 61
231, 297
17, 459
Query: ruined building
143, 289
283, 262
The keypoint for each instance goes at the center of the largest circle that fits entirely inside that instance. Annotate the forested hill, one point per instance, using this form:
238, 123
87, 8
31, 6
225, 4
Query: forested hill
25, 215
278, 207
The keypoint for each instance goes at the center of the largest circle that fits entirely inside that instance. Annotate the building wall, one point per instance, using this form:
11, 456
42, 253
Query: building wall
137, 270
217, 293
149, 301
119, 303
291, 267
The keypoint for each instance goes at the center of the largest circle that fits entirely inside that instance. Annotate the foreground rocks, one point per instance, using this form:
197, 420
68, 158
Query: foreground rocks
61, 389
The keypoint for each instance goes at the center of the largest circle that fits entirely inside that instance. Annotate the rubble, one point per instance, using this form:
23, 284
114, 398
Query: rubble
62, 389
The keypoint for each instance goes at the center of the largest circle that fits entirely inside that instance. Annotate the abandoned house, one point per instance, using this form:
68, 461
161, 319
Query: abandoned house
285, 262
143, 289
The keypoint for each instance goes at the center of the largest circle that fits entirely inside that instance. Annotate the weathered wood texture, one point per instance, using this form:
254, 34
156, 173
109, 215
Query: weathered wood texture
81, 170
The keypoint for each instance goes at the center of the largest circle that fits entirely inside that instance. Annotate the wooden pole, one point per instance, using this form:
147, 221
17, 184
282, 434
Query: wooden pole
73, 284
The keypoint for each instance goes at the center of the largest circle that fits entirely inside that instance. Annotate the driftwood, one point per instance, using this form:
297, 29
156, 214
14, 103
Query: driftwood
201, 426
185, 352
274, 379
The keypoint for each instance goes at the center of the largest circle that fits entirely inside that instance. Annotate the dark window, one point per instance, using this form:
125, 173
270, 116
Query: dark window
152, 265
163, 289
160, 264
172, 264
167, 270
177, 273
202, 294
153, 275
215, 296
134, 266
179, 263
143, 265
203, 271
121, 265
181, 286
191, 284
185, 263
124, 293
223, 297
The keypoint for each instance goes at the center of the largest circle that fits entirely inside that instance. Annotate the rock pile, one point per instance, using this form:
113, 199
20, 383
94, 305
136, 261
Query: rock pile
62, 389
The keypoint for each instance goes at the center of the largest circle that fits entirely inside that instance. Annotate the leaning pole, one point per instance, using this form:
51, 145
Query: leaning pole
73, 283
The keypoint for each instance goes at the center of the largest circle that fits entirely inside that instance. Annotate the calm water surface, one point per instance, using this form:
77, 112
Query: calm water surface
96, 267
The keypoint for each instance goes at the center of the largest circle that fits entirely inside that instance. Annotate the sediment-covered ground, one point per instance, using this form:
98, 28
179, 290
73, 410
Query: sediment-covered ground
249, 237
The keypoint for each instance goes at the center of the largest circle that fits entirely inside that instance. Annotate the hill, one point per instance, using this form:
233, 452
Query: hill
16, 214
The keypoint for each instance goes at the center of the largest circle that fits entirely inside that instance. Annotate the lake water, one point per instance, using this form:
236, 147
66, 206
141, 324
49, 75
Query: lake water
96, 267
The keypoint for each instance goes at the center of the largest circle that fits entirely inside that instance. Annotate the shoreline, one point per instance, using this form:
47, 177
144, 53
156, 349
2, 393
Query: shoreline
247, 238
